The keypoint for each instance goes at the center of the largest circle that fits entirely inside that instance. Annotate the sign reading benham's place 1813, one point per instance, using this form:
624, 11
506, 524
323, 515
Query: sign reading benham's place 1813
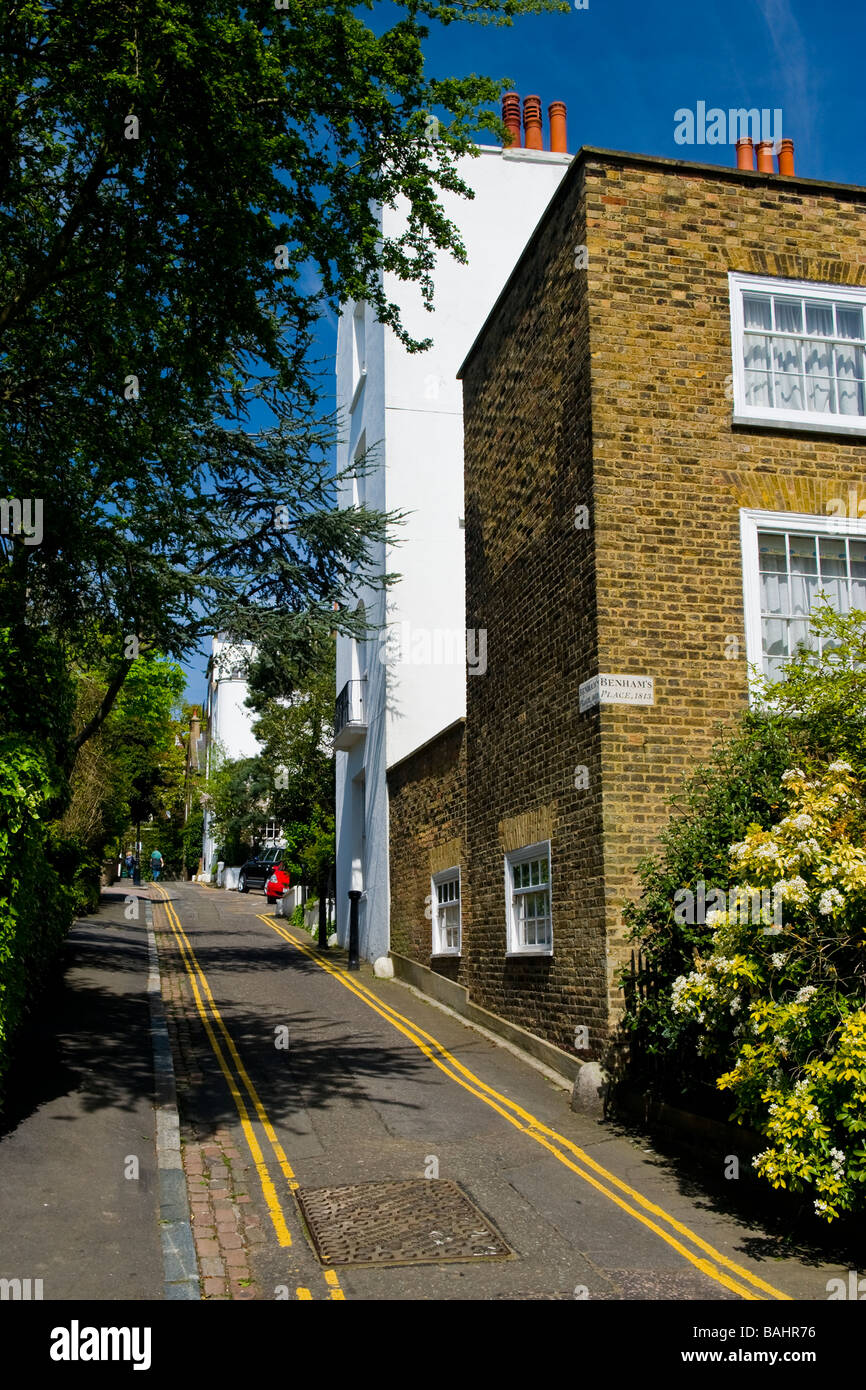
616, 690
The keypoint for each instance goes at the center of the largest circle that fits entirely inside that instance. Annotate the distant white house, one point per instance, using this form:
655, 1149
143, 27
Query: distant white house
398, 689
229, 722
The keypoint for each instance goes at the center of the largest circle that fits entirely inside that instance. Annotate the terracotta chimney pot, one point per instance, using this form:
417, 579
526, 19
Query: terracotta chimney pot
786, 157
745, 153
765, 157
558, 138
511, 118
532, 123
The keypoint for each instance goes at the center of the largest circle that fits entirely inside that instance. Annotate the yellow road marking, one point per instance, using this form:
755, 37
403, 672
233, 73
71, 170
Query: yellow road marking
268, 1190
280, 1156
193, 969
304, 1295
548, 1138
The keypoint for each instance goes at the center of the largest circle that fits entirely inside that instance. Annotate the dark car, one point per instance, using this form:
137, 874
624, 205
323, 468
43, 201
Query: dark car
257, 870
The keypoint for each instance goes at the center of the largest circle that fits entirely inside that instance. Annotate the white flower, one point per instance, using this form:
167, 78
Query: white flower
837, 767
801, 822
820, 1207
792, 890
829, 900
736, 1005
782, 1044
805, 994
769, 850
714, 917
792, 774
778, 959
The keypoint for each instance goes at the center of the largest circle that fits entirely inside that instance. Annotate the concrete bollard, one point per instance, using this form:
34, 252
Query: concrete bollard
590, 1087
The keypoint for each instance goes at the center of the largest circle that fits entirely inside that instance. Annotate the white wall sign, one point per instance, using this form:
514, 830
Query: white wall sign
616, 690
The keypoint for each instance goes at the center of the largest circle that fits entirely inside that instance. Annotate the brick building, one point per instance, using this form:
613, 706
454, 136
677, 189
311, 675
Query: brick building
665, 460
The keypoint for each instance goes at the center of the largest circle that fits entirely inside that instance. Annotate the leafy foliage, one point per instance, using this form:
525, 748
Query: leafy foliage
36, 893
201, 181
781, 993
765, 997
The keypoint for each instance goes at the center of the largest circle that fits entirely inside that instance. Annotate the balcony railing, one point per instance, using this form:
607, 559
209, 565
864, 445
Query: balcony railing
350, 716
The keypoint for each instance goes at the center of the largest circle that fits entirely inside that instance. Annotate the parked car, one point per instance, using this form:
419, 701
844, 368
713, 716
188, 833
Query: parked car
257, 870
277, 884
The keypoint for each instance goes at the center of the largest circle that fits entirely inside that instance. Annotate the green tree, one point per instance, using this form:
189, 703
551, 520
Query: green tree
132, 770
297, 738
200, 180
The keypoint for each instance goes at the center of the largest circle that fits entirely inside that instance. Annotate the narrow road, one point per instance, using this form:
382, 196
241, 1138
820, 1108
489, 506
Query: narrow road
296, 1076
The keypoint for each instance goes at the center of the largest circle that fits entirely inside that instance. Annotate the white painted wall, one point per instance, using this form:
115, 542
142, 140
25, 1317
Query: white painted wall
410, 408
230, 732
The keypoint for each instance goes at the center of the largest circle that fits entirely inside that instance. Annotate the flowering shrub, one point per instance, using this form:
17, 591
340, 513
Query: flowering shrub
789, 1000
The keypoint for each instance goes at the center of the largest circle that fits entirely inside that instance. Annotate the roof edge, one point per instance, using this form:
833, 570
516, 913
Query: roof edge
588, 153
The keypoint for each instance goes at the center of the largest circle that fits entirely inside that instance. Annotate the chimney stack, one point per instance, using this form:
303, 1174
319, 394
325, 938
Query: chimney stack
556, 115
786, 158
511, 118
532, 123
765, 157
745, 153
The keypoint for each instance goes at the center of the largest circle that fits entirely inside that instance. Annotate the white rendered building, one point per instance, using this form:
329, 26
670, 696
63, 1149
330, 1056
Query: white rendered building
404, 685
229, 722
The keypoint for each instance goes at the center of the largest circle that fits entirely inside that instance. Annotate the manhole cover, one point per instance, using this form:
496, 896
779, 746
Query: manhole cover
419, 1221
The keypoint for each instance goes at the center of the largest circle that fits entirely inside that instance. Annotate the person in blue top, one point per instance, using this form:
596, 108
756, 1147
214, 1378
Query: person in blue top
156, 863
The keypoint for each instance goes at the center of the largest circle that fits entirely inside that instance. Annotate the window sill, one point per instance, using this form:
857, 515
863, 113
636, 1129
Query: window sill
805, 424
529, 951
445, 955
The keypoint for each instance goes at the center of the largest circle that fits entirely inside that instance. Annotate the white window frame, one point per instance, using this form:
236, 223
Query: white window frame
514, 946
771, 416
439, 946
751, 522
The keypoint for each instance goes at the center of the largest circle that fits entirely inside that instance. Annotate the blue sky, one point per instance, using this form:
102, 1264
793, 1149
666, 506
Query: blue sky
624, 68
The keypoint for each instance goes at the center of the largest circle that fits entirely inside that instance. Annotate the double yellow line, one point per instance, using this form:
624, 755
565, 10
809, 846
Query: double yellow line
710, 1261
201, 992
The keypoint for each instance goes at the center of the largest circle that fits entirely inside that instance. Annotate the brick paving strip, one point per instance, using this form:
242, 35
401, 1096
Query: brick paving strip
178, 1252
224, 1226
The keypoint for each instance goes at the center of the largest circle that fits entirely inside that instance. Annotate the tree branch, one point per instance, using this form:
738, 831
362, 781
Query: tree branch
105, 708
42, 279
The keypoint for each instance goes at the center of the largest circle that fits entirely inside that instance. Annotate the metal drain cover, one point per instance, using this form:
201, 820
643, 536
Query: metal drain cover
420, 1221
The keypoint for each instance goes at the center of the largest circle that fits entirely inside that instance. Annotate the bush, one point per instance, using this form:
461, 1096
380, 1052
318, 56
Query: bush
765, 999
37, 897
781, 994
740, 785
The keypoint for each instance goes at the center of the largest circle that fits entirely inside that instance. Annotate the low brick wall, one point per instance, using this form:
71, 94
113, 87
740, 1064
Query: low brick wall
427, 812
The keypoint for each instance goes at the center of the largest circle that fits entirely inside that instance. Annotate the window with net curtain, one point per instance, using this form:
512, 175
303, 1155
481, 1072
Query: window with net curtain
446, 915
803, 354
795, 568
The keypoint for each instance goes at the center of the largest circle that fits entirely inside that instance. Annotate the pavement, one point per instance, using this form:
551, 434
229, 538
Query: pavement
79, 1189
301, 1088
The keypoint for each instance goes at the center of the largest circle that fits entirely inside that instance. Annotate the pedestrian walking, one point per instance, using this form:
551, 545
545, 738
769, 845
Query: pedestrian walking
156, 865
136, 870
129, 863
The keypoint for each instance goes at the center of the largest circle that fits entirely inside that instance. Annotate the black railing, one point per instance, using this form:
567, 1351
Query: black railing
350, 706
